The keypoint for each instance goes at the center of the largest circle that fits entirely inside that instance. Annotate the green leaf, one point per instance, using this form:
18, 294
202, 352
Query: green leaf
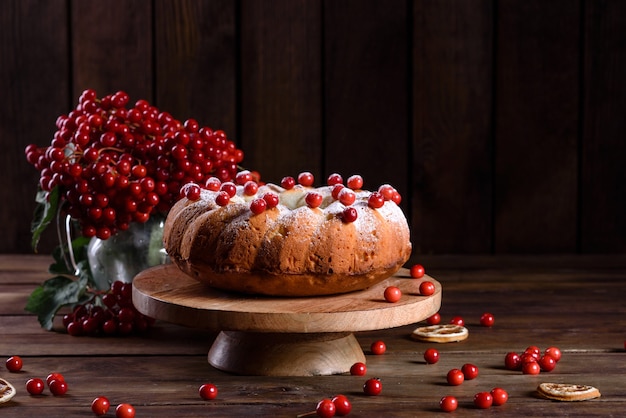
46, 209
46, 300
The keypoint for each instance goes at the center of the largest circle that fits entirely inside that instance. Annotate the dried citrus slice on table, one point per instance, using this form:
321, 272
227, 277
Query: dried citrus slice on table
7, 391
447, 333
567, 392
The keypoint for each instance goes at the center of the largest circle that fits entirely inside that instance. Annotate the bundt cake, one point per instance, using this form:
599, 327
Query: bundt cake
287, 240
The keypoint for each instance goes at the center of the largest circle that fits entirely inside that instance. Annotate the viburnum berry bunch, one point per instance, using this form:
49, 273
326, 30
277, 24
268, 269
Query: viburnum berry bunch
111, 162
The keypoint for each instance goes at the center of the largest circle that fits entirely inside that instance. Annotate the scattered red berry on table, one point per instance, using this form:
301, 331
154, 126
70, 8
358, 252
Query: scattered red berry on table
431, 355
124, 410
499, 395
100, 405
434, 319
373, 387
555, 353
358, 369
378, 347
448, 403
487, 320
512, 361
392, 294
14, 364
58, 387
457, 320
417, 271
547, 363
483, 400
455, 377
532, 368
54, 376
427, 288
208, 391
342, 405
325, 408
35, 386
470, 371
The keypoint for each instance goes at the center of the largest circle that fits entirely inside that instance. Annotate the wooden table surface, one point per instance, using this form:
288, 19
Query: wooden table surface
574, 303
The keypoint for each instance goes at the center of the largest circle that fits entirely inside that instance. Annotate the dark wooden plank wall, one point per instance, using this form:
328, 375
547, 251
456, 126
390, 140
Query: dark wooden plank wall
501, 122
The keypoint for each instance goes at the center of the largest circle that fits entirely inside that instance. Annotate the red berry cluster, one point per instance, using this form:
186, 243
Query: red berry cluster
115, 164
531, 361
111, 313
339, 405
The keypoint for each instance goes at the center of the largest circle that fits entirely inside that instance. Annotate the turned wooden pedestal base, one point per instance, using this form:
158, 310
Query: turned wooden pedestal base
281, 336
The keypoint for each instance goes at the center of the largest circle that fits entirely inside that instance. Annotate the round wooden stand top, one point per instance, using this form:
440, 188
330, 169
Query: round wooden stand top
166, 293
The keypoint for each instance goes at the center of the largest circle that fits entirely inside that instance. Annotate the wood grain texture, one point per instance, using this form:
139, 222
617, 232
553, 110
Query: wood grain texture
536, 143
531, 298
366, 91
112, 48
452, 177
34, 65
280, 87
196, 61
603, 172
164, 292
499, 122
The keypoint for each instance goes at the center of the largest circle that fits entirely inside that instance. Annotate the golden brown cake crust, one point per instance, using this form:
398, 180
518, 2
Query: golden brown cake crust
289, 250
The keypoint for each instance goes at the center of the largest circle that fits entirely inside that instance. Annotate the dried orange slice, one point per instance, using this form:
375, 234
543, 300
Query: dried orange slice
447, 333
7, 391
567, 392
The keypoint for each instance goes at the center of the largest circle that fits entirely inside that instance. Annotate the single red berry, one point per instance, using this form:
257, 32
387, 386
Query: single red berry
483, 400
499, 395
306, 179
373, 387
258, 206
229, 187
547, 363
349, 214
455, 377
325, 408
427, 288
417, 271
487, 320
250, 188
392, 294
35, 386
532, 368
434, 319
334, 179
457, 320
58, 387
14, 364
288, 183
222, 198
512, 361
355, 182
271, 199
375, 200
378, 347
54, 376
448, 403
100, 405
555, 353
533, 350
243, 177
346, 196
358, 369
342, 405
529, 358
313, 200
470, 371
124, 410
387, 191
213, 184
208, 391
431, 355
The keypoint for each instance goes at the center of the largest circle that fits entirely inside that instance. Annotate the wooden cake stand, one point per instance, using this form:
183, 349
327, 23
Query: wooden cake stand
274, 336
